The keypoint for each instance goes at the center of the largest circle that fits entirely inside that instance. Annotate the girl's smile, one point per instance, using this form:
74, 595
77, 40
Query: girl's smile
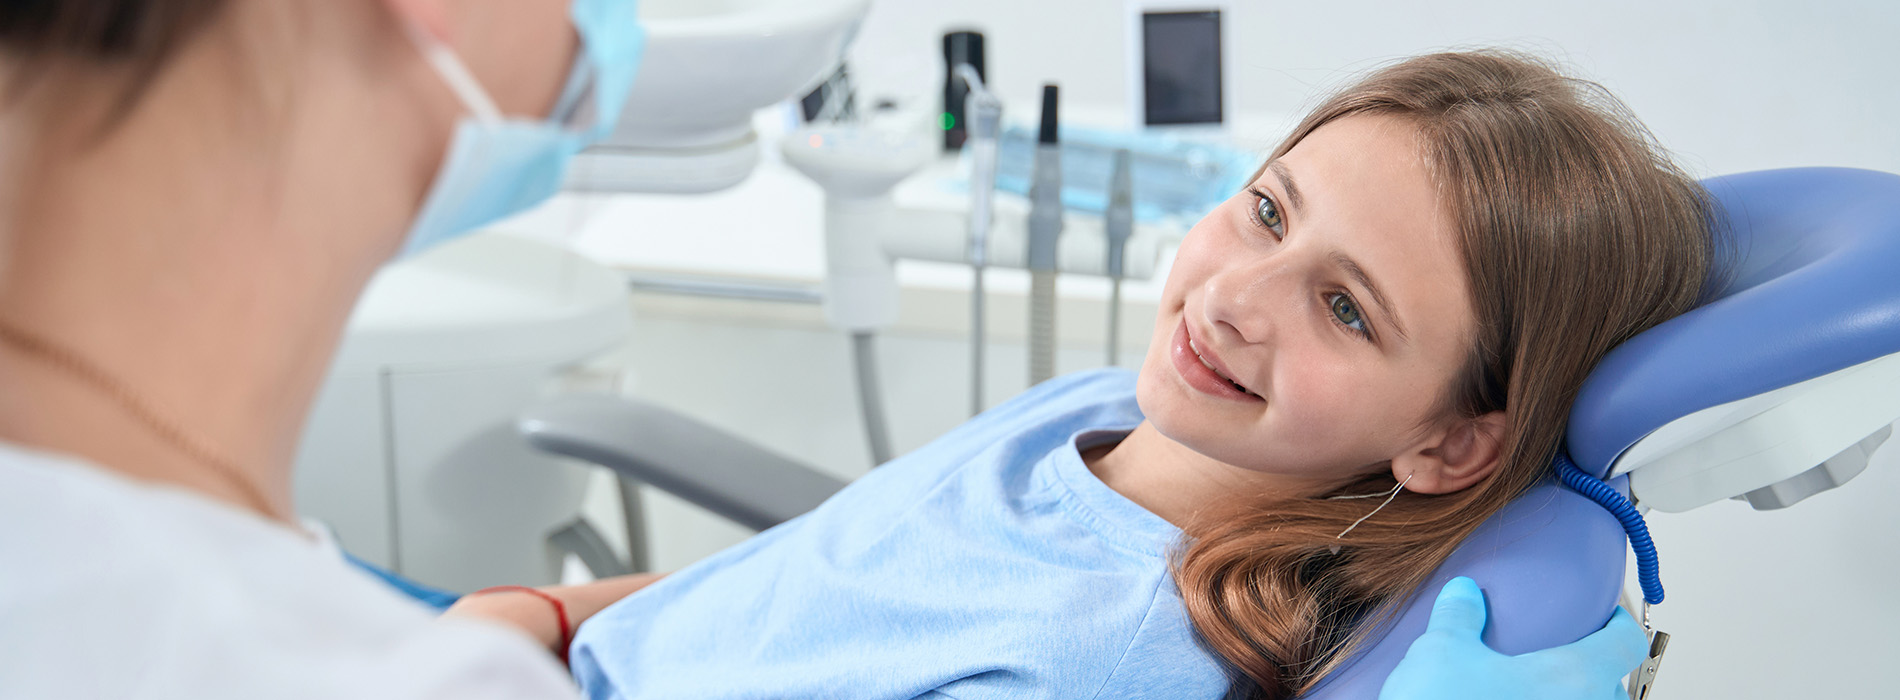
1203, 370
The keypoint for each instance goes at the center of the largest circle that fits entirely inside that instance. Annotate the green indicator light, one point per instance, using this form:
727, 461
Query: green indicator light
949, 121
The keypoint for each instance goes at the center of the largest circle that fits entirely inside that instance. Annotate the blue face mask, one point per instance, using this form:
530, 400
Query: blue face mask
498, 166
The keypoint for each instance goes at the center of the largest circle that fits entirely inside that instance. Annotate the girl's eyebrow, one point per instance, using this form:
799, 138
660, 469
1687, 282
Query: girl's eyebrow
1358, 274
1293, 197
1345, 262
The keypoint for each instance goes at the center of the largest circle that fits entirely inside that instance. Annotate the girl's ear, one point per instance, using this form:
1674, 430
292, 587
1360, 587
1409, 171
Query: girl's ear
1454, 457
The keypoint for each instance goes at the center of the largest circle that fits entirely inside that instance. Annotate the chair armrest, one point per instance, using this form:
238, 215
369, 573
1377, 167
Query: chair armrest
706, 466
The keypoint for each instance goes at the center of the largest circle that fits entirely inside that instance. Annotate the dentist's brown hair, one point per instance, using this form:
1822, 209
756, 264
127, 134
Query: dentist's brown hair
134, 37
1577, 232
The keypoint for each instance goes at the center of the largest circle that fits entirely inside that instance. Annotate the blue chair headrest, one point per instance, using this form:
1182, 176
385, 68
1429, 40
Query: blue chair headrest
1551, 566
1808, 288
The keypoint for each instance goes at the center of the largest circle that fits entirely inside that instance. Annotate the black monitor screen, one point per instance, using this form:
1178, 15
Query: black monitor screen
1181, 80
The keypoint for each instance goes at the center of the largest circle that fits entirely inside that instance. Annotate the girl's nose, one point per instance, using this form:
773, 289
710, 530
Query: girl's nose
1244, 303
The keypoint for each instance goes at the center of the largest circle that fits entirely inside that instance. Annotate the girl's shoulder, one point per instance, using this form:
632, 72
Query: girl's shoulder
995, 453
1104, 395
1030, 423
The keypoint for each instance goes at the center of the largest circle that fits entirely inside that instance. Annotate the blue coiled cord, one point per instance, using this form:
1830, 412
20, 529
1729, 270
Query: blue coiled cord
1596, 490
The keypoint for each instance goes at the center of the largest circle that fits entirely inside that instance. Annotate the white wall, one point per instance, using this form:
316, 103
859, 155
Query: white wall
1789, 604
1728, 86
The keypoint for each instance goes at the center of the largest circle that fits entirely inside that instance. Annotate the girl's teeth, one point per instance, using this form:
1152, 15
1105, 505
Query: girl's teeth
1210, 367
1204, 362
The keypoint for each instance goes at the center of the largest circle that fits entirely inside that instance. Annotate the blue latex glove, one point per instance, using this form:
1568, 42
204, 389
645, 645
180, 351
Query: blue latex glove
1450, 660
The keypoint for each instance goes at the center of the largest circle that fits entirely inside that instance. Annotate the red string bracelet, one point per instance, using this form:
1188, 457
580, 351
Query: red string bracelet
560, 612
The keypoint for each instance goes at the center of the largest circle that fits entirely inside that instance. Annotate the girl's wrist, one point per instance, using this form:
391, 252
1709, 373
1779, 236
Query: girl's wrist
540, 614
549, 615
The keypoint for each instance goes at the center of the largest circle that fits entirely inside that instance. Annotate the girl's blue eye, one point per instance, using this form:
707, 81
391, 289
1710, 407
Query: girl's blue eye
1267, 214
1346, 312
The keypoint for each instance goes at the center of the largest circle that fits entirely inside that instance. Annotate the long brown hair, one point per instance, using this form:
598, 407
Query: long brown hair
1577, 233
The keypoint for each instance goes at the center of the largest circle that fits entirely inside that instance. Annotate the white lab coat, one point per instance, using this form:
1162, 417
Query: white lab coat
116, 589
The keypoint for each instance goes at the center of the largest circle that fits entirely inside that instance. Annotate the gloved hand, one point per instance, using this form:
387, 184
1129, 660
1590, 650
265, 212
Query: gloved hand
1450, 660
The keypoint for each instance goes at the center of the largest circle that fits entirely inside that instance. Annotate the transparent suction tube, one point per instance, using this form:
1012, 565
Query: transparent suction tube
985, 115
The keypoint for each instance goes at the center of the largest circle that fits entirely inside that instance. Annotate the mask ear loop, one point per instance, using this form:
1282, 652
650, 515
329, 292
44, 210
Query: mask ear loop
1389, 495
454, 73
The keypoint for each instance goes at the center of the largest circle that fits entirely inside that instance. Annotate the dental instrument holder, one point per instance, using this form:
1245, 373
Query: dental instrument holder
857, 166
1045, 227
960, 49
985, 124
1119, 223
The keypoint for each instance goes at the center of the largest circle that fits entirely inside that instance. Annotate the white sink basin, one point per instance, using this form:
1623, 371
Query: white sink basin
709, 64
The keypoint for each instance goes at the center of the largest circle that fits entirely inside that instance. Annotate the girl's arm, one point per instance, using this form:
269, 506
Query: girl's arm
537, 617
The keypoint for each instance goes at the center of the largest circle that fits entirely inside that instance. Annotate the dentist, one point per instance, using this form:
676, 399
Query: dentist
193, 193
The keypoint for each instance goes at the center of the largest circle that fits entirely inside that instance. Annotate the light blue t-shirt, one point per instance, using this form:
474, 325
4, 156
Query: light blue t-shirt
988, 564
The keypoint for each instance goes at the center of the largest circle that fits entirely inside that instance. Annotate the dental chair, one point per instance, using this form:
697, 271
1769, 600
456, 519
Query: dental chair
1776, 389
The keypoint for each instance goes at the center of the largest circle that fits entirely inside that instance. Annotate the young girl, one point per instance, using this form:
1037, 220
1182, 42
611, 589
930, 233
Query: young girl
1406, 296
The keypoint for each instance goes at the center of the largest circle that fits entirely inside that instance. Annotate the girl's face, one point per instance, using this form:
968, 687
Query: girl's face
1331, 303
